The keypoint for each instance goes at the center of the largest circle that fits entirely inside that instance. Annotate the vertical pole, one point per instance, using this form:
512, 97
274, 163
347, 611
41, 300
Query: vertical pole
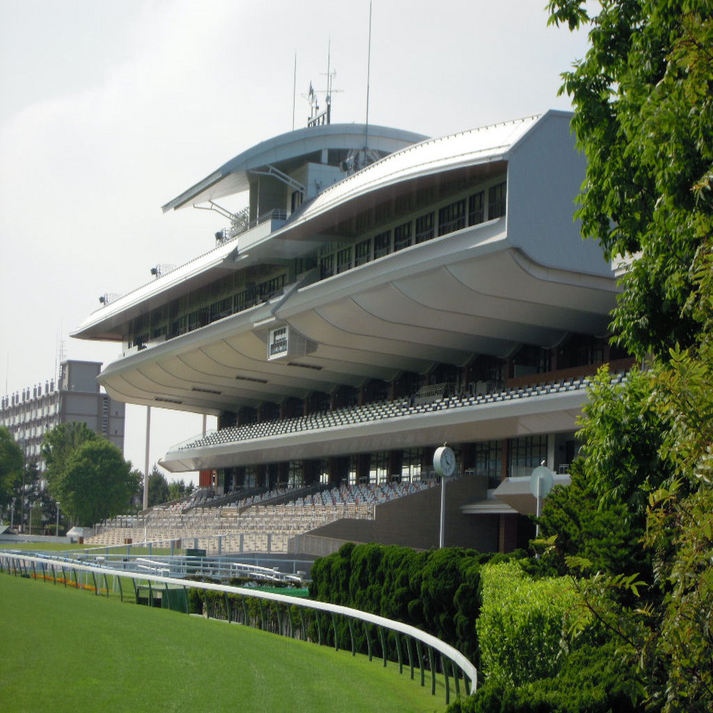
444, 666
294, 92
368, 76
382, 641
432, 663
442, 530
146, 460
410, 654
334, 629
351, 635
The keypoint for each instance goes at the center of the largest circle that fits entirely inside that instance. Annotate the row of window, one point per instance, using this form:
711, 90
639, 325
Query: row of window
524, 454
248, 297
167, 322
459, 214
28, 416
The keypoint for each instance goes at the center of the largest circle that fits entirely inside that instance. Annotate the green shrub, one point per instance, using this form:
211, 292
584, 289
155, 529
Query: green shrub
436, 591
591, 680
520, 628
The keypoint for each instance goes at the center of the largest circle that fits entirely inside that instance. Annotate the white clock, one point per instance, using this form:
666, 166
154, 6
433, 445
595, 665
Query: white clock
444, 461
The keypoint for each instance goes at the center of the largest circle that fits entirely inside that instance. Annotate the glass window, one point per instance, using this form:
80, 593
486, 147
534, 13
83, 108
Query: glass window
411, 465
496, 201
344, 259
382, 244
379, 467
487, 461
476, 209
326, 266
362, 252
525, 454
451, 217
402, 236
424, 227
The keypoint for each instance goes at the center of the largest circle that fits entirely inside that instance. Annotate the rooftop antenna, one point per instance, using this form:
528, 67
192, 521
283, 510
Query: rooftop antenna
60, 355
294, 91
317, 117
368, 74
330, 76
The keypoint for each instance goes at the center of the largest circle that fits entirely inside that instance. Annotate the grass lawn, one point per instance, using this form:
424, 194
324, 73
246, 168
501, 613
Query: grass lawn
41, 546
65, 650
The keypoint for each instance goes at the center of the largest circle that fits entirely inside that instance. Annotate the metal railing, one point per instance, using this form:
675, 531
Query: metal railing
426, 647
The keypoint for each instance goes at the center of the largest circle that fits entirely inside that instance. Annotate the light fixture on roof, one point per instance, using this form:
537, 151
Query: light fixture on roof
159, 270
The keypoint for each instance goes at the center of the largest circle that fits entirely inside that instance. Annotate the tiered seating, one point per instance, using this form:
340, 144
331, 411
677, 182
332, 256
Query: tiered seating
378, 411
248, 529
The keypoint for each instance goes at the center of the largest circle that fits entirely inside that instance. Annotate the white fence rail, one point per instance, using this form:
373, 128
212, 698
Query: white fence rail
460, 667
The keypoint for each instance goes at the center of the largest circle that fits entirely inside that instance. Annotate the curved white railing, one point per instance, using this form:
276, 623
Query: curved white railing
22, 562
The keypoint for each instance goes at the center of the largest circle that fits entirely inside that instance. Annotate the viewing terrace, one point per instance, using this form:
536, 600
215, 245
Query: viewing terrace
243, 526
479, 395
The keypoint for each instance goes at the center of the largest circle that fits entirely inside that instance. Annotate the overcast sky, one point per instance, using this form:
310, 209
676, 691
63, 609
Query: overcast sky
110, 109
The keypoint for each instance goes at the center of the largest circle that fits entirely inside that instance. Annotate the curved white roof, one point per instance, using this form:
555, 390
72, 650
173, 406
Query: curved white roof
232, 177
466, 148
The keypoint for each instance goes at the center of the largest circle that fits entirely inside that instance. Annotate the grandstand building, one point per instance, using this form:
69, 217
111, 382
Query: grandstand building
381, 294
29, 413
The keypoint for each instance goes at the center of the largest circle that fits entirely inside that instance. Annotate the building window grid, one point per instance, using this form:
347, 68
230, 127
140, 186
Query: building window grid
362, 252
487, 460
402, 236
476, 208
411, 462
525, 454
424, 228
382, 244
379, 467
496, 201
344, 260
451, 217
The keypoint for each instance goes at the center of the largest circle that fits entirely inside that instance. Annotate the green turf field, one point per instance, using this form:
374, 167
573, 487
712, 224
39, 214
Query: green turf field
66, 650
41, 546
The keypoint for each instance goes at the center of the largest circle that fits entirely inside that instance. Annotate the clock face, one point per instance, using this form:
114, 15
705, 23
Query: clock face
444, 461
449, 460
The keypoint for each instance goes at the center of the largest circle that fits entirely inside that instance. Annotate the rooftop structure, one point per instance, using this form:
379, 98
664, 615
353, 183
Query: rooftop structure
29, 413
373, 303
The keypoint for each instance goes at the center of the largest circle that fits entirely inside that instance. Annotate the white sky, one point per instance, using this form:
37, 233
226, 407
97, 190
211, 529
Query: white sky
110, 109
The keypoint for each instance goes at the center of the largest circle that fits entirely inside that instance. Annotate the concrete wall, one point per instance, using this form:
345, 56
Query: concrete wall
413, 521
80, 376
544, 178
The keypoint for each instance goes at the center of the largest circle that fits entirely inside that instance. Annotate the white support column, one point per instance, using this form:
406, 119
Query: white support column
551, 438
146, 461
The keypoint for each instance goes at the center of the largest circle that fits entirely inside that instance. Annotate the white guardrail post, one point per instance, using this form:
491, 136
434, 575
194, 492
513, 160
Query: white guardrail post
27, 565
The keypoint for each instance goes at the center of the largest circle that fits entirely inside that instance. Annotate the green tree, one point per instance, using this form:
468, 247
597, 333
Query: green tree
178, 489
97, 482
58, 445
644, 116
158, 488
643, 101
11, 464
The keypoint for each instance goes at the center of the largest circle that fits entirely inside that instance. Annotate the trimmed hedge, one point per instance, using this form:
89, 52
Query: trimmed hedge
436, 590
591, 680
521, 624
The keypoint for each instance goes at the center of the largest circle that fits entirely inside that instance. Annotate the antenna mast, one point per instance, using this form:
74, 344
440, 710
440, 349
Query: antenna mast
317, 118
368, 74
294, 91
